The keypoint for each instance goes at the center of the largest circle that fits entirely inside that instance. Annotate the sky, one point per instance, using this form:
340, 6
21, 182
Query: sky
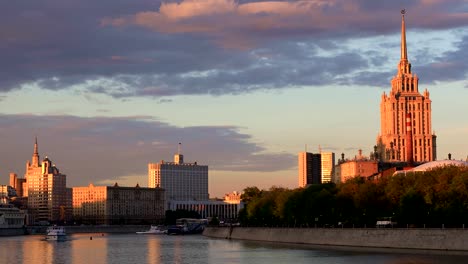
109, 86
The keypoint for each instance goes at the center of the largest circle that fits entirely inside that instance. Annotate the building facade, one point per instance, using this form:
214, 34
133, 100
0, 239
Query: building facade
400, 140
118, 205
45, 188
327, 160
17, 184
181, 181
358, 168
315, 168
7, 191
310, 169
234, 197
224, 211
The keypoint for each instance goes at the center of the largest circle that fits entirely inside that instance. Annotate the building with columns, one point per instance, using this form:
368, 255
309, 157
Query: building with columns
397, 142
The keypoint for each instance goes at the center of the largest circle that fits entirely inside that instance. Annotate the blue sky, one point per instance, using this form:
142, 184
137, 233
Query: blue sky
244, 85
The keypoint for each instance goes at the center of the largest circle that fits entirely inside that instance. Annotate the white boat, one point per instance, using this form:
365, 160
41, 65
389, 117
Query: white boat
157, 230
11, 217
56, 233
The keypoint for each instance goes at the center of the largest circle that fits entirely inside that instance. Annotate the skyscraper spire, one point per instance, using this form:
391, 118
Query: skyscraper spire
35, 157
36, 151
179, 158
404, 55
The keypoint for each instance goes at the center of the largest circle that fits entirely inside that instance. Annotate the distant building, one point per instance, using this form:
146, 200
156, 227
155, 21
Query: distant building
398, 141
433, 165
6, 191
327, 160
315, 168
181, 181
17, 184
48, 197
210, 208
360, 166
310, 169
118, 205
233, 197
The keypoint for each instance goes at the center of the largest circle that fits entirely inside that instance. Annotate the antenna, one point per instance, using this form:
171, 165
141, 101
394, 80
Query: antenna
178, 148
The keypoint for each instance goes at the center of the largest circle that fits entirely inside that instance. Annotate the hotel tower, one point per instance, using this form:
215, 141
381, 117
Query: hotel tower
406, 133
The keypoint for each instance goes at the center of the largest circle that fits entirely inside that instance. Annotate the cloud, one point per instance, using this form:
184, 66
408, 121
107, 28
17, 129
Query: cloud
450, 66
151, 48
105, 149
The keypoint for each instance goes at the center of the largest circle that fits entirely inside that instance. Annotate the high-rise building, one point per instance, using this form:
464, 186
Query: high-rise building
181, 181
327, 160
17, 184
400, 140
310, 169
48, 197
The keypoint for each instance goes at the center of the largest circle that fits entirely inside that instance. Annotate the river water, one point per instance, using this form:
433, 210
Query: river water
194, 249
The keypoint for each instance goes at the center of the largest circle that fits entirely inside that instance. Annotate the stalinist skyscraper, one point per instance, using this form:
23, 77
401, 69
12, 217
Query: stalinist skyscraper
405, 116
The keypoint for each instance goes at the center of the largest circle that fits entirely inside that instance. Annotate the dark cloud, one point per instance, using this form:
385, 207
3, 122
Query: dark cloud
450, 66
99, 149
145, 48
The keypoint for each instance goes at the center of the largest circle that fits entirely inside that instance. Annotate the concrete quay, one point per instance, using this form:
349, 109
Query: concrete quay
390, 238
93, 229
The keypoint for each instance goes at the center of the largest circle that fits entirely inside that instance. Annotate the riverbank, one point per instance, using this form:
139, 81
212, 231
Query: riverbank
13, 231
92, 229
421, 239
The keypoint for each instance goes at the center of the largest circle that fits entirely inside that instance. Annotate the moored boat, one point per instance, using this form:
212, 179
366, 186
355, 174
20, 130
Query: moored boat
56, 233
156, 230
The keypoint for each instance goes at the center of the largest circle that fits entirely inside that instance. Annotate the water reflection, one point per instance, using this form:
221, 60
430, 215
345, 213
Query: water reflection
87, 248
132, 248
154, 250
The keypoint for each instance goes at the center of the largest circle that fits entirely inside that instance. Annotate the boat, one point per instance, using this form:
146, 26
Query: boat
12, 220
56, 233
11, 217
156, 230
177, 230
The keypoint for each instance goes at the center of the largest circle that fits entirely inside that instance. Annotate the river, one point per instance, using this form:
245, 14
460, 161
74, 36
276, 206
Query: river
194, 249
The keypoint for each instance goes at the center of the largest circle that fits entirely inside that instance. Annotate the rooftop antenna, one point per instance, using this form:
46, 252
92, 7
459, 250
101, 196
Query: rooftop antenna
178, 148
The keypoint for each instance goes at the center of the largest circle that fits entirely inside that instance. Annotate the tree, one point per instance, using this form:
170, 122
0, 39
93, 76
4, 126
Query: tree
413, 208
250, 193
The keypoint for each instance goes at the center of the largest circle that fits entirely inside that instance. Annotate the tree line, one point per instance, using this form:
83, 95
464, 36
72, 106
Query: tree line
416, 199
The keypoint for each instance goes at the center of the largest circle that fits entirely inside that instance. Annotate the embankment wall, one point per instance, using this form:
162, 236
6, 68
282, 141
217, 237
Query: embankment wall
93, 229
426, 239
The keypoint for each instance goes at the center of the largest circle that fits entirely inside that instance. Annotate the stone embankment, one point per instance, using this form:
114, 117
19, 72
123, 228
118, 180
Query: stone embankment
398, 238
13, 231
93, 229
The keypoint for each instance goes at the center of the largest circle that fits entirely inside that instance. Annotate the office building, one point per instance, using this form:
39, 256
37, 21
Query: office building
406, 120
310, 169
180, 180
327, 161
